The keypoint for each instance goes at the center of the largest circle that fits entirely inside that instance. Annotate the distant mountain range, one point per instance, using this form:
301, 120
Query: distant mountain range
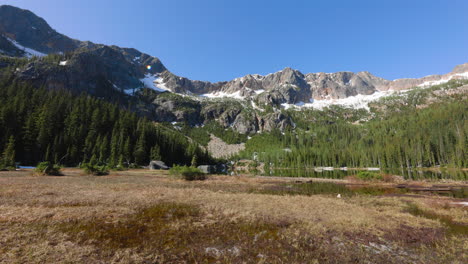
83, 66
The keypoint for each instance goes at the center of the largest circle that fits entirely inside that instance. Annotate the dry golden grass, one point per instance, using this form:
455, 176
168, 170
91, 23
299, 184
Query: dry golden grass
141, 216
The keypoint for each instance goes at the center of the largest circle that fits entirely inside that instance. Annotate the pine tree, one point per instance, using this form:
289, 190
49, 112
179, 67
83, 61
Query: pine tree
8, 157
140, 150
48, 154
93, 160
126, 150
155, 153
120, 163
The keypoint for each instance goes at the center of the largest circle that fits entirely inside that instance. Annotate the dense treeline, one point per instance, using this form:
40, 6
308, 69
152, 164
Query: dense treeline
411, 137
59, 127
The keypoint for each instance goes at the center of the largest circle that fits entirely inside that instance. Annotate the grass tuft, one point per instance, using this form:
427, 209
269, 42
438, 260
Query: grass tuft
188, 173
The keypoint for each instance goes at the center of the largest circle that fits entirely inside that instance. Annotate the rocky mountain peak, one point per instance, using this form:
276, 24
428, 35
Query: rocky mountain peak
32, 31
127, 69
462, 68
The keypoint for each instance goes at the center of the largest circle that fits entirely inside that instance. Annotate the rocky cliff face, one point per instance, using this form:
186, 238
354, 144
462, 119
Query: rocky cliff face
22, 33
85, 69
33, 32
292, 87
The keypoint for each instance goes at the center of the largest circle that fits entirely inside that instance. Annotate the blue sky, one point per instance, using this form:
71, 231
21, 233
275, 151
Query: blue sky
219, 40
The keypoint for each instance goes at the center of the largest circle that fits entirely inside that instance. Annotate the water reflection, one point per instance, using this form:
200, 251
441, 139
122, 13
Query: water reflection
415, 174
347, 190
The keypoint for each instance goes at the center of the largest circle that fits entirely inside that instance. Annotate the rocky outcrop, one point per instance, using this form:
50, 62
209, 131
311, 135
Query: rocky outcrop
273, 121
220, 149
183, 85
174, 109
85, 69
245, 124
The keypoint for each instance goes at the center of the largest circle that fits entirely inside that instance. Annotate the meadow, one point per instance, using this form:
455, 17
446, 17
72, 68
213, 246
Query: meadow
142, 216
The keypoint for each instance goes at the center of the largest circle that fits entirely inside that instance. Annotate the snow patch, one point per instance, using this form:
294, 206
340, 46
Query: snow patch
442, 81
154, 82
29, 52
235, 95
259, 91
129, 91
63, 63
359, 101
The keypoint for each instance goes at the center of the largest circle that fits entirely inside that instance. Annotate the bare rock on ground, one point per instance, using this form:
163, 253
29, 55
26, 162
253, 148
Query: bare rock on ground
220, 149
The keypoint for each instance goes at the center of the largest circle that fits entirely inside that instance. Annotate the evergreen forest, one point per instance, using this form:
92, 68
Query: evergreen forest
416, 130
57, 126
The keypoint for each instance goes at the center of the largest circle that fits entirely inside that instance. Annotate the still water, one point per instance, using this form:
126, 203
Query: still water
413, 174
329, 188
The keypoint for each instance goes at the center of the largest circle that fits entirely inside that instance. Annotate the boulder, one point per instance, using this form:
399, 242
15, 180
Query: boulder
207, 169
158, 165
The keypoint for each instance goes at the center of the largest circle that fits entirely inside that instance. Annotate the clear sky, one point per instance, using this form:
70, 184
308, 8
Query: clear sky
219, 40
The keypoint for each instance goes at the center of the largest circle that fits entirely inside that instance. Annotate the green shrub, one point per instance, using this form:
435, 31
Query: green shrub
47, 168
188, 173
368, 175
93, 169
7, 168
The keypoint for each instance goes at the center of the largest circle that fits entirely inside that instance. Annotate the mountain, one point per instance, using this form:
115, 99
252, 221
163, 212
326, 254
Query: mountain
56, 62
85, 64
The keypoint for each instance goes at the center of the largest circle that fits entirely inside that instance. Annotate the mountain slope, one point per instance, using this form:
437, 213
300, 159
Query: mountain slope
33, 32
140, 82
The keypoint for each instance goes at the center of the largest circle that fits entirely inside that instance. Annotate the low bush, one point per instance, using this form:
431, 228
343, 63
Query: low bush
188, 173
93, 169
368, 175
47, 168
9, 168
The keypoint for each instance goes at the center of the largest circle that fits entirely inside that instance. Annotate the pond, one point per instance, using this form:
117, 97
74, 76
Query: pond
26, 167
409, 174
346, 190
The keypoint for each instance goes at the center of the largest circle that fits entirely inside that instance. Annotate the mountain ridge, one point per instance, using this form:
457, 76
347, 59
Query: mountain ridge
285, 86
56, 62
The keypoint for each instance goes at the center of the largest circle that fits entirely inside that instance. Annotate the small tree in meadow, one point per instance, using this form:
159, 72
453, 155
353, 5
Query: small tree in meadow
8, 156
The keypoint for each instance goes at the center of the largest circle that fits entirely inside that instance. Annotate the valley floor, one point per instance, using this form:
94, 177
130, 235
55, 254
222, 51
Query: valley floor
141, 216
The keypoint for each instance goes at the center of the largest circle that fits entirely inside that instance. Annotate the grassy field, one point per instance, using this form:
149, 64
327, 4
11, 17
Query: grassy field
143, 216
